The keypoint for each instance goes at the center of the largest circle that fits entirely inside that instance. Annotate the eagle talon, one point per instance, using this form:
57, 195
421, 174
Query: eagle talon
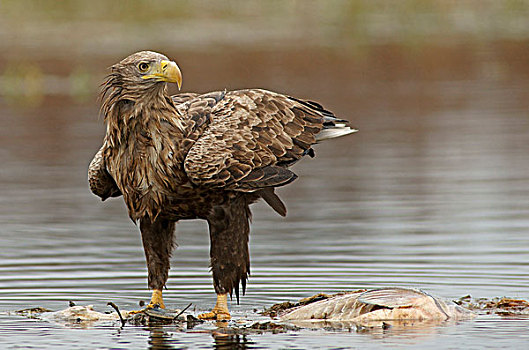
219, 315
156, 302
220, 312
134, 312
154, 306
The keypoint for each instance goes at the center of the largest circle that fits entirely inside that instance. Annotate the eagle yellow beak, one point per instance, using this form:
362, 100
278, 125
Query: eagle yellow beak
167, 71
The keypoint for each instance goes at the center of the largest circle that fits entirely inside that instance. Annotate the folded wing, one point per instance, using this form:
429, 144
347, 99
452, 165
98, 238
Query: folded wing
253, 137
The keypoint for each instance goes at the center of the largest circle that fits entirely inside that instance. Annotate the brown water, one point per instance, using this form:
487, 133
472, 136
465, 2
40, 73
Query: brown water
432, 193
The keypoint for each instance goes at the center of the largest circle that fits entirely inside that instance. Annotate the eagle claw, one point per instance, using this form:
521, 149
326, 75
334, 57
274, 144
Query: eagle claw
219, 315
220, 311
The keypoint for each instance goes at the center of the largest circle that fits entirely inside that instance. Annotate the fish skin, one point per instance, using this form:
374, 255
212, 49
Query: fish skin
386, 304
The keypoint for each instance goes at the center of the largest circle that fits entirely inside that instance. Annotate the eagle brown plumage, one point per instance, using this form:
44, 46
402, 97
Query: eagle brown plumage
199, 156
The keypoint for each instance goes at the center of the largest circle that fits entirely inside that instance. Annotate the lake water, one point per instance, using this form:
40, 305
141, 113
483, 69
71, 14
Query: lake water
432, 193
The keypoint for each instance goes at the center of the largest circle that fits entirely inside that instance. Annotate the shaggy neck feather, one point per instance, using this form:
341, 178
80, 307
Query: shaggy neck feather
125, 108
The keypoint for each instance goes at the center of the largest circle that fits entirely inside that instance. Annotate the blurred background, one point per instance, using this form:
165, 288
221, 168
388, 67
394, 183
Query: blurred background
433, 192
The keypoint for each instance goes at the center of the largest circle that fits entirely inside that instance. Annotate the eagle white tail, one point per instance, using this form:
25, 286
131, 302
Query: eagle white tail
337, 130
332, 126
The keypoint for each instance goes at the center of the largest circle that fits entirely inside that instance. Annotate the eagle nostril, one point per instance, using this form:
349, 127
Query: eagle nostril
164, 65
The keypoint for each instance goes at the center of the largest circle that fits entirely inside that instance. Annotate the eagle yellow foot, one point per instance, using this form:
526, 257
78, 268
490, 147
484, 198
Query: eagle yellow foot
156, 300
220, 312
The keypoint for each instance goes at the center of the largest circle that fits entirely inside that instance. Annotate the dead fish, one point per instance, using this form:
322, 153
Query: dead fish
385, 304
87, 315
77, 314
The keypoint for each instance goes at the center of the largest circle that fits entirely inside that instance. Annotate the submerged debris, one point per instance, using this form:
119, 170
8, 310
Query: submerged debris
500, 306
33, 312
280, 308
360, 310
115, 307
270, 326
87, 316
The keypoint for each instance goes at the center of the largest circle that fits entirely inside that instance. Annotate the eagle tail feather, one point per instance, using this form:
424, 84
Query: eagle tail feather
273, 200
269, 176
333, 128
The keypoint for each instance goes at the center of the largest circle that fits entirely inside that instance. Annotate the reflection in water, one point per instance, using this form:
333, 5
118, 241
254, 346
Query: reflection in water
167, 337
160, 339
231, 341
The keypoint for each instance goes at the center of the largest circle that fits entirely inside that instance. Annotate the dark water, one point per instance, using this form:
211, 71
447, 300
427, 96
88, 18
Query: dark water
433, 193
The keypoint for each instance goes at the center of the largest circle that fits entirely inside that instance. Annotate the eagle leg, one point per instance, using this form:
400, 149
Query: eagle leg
229, 230
158, 243
220, 311
156, 299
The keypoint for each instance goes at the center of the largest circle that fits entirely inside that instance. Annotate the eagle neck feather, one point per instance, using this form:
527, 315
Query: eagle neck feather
139, 152
125, 109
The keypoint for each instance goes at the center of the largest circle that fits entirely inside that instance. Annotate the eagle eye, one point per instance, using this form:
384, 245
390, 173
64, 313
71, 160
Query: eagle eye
143, 67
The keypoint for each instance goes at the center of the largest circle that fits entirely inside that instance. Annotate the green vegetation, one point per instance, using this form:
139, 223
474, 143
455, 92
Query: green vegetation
65, 44
334, 21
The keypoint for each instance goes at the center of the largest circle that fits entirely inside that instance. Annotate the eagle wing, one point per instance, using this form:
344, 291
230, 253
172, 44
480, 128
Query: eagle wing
184, 97
100, 181
252, 137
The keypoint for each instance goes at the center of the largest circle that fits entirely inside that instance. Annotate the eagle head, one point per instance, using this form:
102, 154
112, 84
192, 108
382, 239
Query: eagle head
145, 70
140, 78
